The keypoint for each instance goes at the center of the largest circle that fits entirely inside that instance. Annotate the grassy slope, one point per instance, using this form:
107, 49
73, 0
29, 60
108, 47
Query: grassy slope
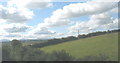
103, 44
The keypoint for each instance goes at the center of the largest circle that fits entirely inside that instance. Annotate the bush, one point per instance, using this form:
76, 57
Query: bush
61, 56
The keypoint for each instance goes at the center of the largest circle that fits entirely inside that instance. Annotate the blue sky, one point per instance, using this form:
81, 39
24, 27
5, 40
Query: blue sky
36, 19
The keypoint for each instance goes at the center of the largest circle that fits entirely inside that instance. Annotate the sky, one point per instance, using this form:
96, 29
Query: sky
45, 19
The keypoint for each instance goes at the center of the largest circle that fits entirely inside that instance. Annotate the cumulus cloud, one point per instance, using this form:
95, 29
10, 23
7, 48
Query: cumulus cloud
18, 11
3, 34
82, 26
85, 0
115, 10
62, 17
97, 22
106, 0
13, 35
32, 4
113, 25
89, 8
43, 31
54, 22
100, 19
2, 23
16, 28
15, 15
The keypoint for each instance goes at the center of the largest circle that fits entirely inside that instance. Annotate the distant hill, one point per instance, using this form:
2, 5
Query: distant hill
25, 41
106, 44
30, 42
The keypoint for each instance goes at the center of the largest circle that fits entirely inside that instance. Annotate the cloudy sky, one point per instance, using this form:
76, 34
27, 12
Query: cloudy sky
43, 19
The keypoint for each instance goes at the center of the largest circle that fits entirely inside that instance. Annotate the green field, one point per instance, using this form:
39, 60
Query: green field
104, 44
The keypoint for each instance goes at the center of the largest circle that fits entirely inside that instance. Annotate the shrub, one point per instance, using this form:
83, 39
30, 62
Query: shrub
61, 56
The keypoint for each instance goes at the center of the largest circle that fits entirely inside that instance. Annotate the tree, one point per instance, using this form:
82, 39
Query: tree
15, 43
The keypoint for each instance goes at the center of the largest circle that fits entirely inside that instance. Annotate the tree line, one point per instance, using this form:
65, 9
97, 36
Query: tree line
70, 38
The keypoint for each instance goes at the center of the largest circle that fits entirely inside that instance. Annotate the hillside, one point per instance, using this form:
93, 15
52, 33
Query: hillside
103, 44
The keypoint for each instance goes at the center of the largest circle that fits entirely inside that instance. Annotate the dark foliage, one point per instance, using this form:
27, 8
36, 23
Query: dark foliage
61, 56
54, 41
15, 43
70, 38
27, 53
97, 33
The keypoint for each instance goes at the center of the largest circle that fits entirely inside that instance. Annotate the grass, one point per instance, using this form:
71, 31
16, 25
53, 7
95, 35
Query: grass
104, 44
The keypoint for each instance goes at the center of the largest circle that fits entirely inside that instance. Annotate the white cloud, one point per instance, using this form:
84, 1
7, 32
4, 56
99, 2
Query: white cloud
113, 25
85, 0
115, 10
106, 0
33, 4
89, 8
82, 26
17, 11
2, 23
97, 22
13, 35
42, 31
62, 17
16, 28
16, 15
54, 22
100, 19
